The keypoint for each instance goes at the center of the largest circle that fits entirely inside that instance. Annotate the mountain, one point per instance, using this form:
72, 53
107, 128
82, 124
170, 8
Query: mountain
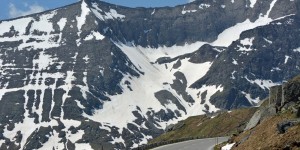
96, 75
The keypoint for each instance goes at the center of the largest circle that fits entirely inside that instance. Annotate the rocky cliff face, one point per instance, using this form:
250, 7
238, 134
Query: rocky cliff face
95, 75
262, 57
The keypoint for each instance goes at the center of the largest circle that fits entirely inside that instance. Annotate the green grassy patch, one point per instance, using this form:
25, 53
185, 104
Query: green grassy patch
224, 124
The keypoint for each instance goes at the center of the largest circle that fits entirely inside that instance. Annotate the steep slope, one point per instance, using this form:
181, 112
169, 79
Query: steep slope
48, 62
201, 20
275, 125
266, 135
203, 126
95, 75
262, 57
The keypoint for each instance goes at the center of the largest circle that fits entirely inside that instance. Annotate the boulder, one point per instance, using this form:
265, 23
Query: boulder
293, 107
260, 115
254, 121
179, 125
169, 128
173, 127
285, 125
292, 90
269, 111
288, 106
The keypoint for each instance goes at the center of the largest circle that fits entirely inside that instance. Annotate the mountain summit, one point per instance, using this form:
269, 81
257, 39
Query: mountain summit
94, 75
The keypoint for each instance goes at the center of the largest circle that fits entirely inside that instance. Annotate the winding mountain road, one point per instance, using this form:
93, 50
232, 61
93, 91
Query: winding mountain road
201, 144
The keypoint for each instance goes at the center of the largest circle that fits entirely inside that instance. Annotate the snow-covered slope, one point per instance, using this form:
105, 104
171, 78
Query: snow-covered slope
93, 75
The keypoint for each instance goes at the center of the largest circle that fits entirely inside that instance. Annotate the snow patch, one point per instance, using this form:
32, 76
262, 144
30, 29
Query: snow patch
2, 141
41, 41
105, 127
75, 137
83, 146
18, 25
153, 12
146, 139
197, 108
43, 61
79, 104
47, 41
264, 84
118, 140
82, 18
252, 3
62, 23
286, 59
44, 24
235, 62
68, 123
297, 50
247, 41
94, 34
204, 6
53, 142
250, 99
86, 59
187, 11
276, 69
233, 33
163, 51
246, 45
228, 146
27, 127
112, 14
189, 70
270, 42
232, 75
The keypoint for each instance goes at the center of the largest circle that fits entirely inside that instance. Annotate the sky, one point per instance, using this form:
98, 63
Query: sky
16, 8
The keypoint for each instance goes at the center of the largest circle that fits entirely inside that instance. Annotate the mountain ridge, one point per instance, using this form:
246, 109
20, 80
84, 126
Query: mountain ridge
93, 75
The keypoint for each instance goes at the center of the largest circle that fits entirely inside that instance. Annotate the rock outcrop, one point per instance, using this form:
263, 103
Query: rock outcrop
285, 125
261, 114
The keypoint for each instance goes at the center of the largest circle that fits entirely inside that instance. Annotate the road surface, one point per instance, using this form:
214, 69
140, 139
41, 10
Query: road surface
201, 144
